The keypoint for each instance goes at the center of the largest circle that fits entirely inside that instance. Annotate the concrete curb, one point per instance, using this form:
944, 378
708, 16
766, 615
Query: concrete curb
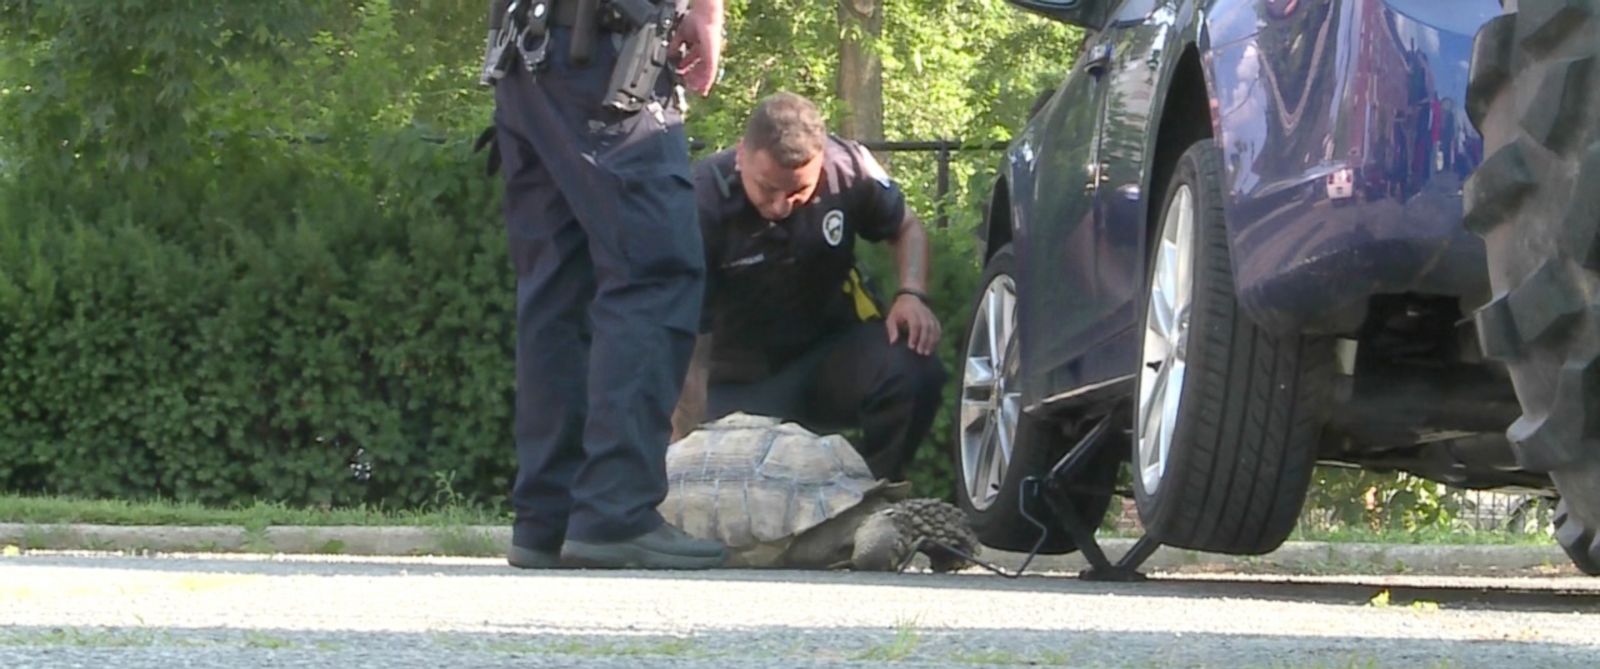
489, 541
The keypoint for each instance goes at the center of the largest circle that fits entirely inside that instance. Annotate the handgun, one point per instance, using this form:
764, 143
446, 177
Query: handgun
643, 54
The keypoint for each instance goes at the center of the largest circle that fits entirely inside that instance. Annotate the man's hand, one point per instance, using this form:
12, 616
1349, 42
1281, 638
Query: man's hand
699, 35
910, 244
922, 328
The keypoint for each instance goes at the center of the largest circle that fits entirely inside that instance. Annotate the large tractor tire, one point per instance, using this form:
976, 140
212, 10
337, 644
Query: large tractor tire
1534, 94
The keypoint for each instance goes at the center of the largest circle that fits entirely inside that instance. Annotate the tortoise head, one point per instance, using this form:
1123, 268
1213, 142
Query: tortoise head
931, 526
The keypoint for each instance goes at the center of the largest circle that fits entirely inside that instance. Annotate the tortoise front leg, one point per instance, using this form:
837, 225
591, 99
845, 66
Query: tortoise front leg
879, 544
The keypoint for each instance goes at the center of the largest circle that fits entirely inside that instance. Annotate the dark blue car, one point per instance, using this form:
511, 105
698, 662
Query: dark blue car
1235, 231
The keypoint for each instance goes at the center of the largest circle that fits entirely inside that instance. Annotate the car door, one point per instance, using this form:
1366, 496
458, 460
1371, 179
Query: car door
1056, 236
1137, 34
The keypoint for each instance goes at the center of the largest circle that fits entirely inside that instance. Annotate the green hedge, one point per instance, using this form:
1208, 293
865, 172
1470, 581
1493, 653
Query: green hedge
262, 357
305, 318
200, 299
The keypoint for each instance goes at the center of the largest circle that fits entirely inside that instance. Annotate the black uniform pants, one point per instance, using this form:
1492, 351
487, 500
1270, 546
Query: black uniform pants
854, 379
601, 224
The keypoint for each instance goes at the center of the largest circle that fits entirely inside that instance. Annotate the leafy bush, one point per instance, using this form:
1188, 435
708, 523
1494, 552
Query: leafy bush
211, 307
1355, 498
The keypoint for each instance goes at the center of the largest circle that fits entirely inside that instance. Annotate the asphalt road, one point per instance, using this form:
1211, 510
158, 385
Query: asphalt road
96, 610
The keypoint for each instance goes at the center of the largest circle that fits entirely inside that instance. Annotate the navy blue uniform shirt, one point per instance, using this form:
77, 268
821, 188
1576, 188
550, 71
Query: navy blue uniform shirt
775, 288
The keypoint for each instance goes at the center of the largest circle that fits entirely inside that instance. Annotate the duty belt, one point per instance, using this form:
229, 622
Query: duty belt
520, 27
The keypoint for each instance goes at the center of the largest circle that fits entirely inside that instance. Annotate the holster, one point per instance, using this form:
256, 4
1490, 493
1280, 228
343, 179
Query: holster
644, 52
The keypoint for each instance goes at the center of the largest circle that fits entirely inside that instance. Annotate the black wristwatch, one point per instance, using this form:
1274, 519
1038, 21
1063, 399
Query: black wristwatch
914, 293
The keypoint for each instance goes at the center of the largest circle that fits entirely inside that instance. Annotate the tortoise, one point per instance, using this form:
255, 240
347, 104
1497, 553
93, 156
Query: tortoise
780, 496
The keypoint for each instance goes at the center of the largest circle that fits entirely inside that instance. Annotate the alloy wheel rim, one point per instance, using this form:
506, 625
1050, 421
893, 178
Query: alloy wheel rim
1166, 339
990, 402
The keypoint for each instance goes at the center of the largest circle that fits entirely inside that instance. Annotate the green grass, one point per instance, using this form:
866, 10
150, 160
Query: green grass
1440, 536
1049, 658
660, 647
1424, 535
85, 638
905, 642
69, 638
93, 637
255, 639
461, 540
1000, 657
1351, 662
53, 510
675, 647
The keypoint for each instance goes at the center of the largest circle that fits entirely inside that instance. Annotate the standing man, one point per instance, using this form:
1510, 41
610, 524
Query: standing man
601, 227
789, 328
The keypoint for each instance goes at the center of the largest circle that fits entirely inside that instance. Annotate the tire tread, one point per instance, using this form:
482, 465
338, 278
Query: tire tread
1536, 202
1243, 470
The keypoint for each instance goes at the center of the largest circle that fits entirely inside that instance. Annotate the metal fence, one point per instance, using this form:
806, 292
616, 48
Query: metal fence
943, 150
1492, 511
1474, 511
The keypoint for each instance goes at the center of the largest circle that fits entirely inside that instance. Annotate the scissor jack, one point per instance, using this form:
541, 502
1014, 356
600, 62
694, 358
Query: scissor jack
1055, 491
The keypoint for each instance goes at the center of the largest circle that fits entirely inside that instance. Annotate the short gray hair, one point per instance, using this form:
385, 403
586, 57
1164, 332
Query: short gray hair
788, 127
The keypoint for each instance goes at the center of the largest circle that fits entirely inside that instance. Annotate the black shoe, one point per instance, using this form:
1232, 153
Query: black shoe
665, 547
532, 558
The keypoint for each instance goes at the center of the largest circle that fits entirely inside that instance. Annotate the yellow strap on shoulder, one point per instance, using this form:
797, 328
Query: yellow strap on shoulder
866, 309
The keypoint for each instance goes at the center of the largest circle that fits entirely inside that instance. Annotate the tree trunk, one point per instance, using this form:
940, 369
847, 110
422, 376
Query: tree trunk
860, 70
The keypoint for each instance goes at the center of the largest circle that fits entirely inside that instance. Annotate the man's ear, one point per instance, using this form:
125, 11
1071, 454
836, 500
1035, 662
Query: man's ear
738, 154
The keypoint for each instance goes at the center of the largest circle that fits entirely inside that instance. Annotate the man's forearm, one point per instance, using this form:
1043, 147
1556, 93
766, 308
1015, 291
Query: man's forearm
691, 409
709, 8
711, 11
911, 254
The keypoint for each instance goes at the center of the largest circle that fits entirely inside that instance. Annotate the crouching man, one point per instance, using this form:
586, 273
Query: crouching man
788, 329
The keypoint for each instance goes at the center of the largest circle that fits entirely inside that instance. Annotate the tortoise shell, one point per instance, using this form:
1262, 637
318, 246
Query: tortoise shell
747, 480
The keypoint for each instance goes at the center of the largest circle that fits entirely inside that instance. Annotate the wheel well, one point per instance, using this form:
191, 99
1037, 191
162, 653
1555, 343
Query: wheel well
1185, 119
998, 219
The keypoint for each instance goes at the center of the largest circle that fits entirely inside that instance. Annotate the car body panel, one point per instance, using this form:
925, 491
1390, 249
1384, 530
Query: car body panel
1077, 327
1299, 90
1059, 143
1354, 87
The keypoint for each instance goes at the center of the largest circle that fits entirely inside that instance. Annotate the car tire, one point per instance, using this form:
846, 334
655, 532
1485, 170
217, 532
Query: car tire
1534, 95
990, 396
1227, 417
